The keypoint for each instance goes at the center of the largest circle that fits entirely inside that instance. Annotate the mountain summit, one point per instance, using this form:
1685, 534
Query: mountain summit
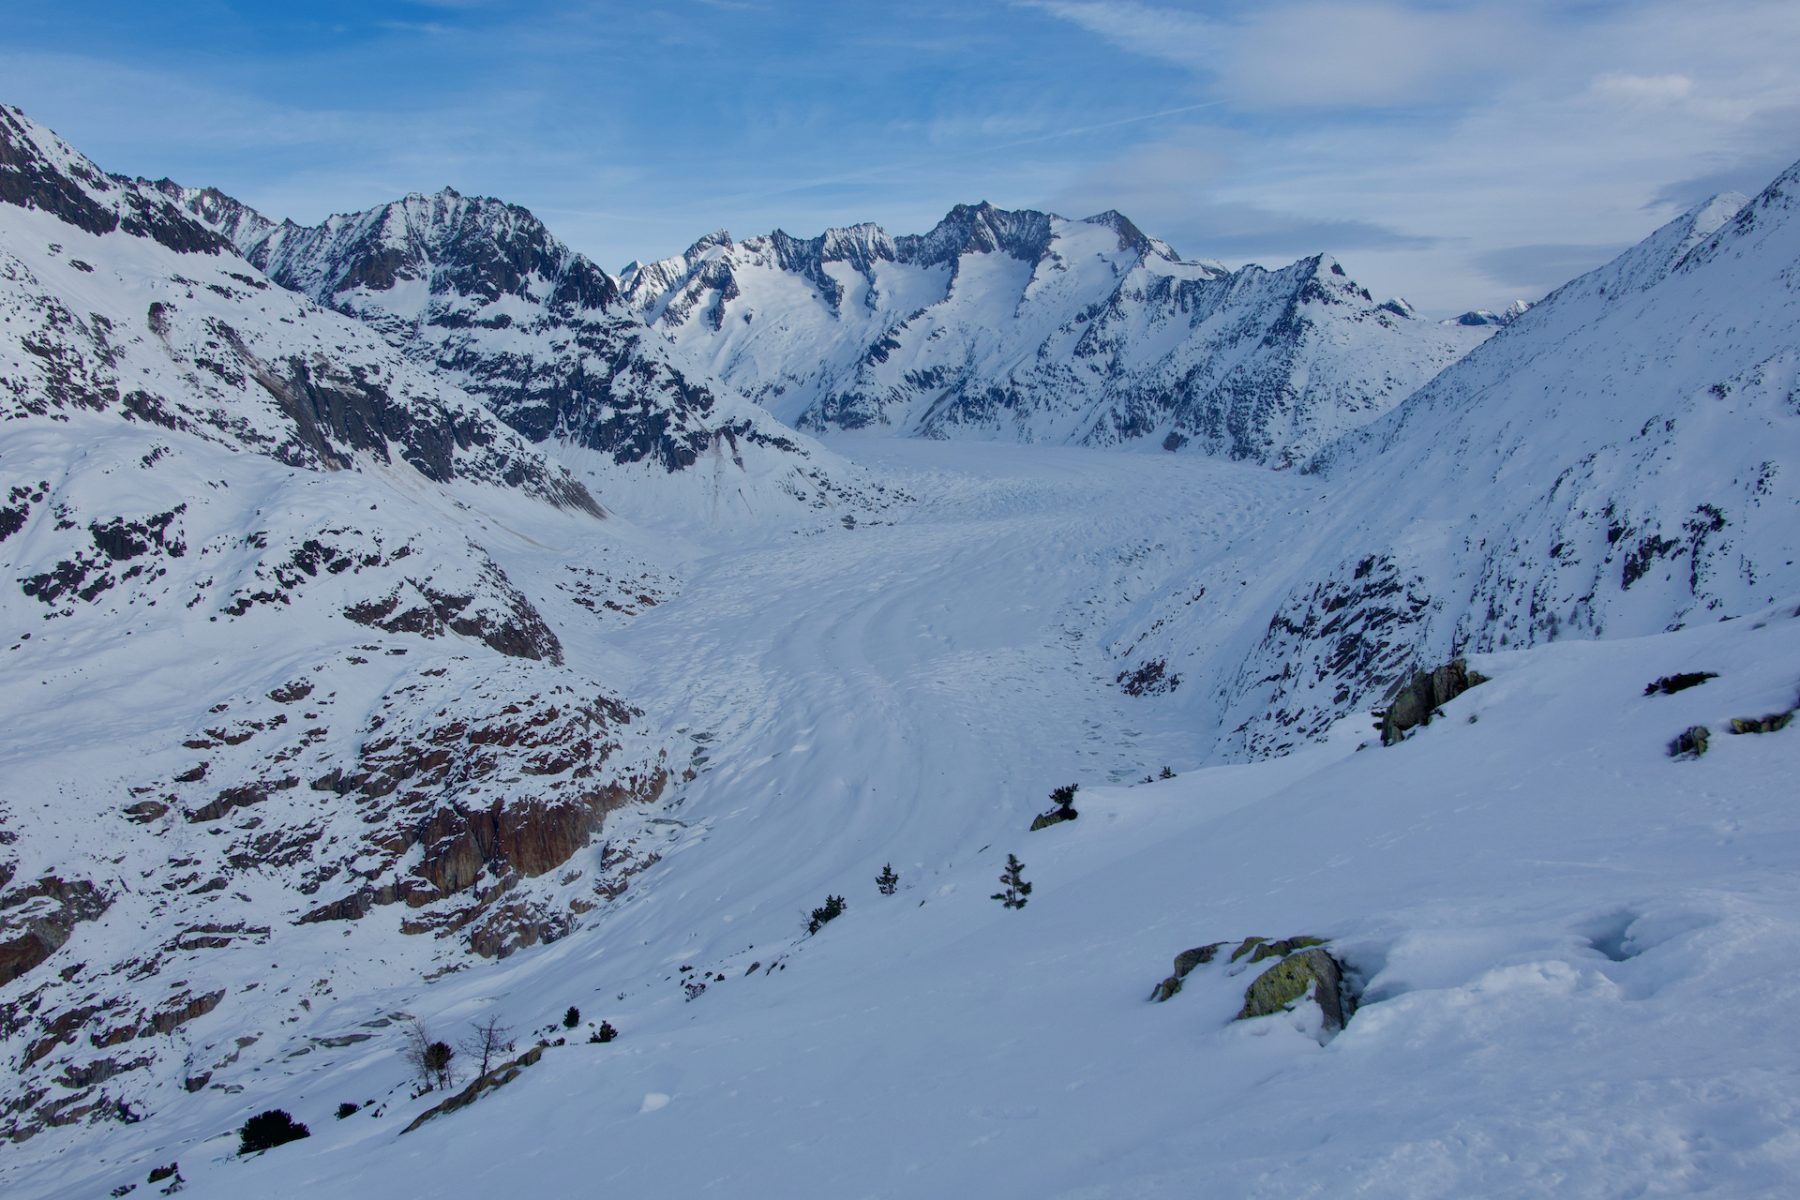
1023, 325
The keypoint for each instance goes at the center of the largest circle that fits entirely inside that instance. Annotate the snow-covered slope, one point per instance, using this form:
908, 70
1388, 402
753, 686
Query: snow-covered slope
1623, 458
269, 657
1027, 326
483, 294
1571, 957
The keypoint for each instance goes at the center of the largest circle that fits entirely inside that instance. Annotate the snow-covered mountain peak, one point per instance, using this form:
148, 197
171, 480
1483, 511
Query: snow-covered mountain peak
980, 229
38, 170
1028, 326
482, 293
1615, 461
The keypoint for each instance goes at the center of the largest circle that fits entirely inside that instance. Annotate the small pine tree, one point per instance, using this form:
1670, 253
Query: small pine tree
269, 1129
348, 1109
1015, 887
572, 1018
605, 1033
831, 910
1064, 798
1166, 774
887, 882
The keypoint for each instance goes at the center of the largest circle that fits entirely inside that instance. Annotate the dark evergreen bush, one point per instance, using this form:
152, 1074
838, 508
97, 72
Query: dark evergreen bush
572, 1018
269, 1129
347, 1109
887, 881
831, 910
1668, 685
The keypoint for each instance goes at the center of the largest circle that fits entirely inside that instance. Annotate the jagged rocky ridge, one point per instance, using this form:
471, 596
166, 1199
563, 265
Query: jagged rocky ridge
269, 660
480, 292
1032, 327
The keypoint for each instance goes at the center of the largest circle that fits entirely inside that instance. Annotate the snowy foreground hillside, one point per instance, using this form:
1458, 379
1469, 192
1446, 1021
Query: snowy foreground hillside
401, 634
1573, 956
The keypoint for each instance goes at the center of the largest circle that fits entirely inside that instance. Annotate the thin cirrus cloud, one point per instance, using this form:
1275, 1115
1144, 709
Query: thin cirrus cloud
1311, 54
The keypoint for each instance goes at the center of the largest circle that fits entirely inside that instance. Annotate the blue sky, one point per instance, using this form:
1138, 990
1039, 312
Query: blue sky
1457, 153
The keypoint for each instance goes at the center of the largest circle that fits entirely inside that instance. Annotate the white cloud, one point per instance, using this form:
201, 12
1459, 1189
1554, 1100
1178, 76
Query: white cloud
1463, 154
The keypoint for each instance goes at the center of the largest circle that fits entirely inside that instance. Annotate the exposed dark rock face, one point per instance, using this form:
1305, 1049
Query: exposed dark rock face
1414, 699
495, 278
505, 619
1668, 685
39, 171
38, 919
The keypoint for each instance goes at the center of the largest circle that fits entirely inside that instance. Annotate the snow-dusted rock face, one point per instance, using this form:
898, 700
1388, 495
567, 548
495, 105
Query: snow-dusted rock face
268, 655
484, 293
481, 294
1617, 461
1027, 326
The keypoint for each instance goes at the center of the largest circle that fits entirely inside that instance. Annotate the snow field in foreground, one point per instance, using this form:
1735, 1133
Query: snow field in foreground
1575, 954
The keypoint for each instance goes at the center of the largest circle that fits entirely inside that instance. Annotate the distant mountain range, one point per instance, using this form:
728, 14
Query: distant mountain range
1025, 326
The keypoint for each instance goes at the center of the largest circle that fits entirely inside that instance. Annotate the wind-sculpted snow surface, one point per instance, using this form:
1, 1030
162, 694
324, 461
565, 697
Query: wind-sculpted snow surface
1026, 326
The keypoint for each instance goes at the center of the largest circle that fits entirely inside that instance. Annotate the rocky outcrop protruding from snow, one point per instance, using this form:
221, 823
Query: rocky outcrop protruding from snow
1310, 974
1185, 962
1413, 700
37, 919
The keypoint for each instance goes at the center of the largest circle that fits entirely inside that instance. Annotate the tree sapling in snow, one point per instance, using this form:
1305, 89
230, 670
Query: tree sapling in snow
1015, 889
